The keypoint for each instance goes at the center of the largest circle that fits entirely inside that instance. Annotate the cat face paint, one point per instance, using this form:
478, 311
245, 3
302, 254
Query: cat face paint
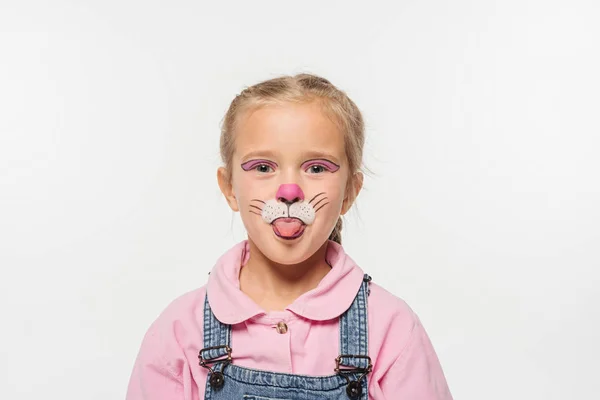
289, 143
289, 213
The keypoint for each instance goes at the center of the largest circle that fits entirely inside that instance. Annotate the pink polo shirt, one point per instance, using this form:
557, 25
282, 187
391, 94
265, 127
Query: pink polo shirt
405, 365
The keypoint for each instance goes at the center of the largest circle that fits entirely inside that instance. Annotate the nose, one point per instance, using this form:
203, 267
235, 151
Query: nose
289, 193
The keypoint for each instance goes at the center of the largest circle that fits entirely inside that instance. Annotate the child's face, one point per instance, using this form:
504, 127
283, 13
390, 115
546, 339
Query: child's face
289, 180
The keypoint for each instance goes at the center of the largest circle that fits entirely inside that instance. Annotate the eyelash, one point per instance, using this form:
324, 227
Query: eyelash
254, 166
262, 165
323, 167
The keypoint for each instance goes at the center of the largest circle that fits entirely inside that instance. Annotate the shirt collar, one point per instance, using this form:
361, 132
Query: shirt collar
332, 296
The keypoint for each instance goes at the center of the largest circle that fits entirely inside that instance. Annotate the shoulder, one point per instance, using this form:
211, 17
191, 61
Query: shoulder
392, 324
387, 310
178, 327
184, 307
168, 351
183, 314
405, 363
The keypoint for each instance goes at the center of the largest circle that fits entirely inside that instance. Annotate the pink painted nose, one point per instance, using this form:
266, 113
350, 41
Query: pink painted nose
289, 193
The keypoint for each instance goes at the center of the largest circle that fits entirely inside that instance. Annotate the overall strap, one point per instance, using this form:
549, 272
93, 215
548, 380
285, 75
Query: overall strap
217, 339
354, 339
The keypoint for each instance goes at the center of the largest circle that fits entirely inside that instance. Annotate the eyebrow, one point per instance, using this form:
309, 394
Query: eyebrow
309, 155
317, 155
259, 153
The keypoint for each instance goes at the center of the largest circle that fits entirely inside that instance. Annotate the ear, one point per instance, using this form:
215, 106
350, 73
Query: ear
227, 188
354, 187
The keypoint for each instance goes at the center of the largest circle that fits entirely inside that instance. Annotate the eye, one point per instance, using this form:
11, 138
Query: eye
319, 166
316, 169
263, 168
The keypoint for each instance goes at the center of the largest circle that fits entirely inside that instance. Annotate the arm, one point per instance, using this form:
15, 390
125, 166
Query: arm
416, 373
152, 377
168, 355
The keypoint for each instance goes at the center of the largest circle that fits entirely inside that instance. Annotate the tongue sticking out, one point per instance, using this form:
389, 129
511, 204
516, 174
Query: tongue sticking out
288, 227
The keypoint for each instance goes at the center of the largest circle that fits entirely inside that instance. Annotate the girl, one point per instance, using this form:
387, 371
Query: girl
287, 314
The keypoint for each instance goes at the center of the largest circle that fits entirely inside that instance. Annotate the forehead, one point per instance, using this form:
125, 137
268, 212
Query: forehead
288, 129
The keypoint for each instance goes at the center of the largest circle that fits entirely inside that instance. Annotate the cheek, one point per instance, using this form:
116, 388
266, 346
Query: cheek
335, 196
335, 190
246, 190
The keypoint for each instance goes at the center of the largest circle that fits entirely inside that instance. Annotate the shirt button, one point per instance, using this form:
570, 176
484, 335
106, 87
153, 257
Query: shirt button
281, 327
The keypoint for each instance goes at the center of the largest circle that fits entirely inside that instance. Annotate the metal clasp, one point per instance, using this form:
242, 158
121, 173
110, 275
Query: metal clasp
348, 369
354, 388
205, 361
217, 379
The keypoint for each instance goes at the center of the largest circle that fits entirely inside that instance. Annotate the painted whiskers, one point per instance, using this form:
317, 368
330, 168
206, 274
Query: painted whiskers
302, 210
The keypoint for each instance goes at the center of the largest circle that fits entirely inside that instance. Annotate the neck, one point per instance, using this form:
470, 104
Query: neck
274, 286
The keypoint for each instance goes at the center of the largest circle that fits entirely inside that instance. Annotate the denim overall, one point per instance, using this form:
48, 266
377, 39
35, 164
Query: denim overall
227, 381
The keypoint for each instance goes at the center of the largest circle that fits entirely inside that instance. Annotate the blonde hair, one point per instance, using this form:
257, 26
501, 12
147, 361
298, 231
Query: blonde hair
301, 88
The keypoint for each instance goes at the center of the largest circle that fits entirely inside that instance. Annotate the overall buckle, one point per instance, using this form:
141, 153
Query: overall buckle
354, 388
216, 379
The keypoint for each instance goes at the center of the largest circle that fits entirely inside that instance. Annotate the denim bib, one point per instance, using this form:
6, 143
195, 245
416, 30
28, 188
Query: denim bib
227, 381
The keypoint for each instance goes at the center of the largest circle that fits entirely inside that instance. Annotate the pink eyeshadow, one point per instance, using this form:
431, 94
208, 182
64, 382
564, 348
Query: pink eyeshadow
332, 167
248, 165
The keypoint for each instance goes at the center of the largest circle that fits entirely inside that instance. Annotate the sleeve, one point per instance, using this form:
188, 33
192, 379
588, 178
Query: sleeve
416, 373
152, 377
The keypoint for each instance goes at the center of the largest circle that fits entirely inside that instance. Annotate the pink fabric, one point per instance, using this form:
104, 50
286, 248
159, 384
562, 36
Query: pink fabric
405, 363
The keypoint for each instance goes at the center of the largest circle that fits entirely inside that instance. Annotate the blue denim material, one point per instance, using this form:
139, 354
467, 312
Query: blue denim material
251, 384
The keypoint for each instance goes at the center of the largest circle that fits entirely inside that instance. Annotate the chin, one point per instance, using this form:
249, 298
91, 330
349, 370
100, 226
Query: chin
288, 252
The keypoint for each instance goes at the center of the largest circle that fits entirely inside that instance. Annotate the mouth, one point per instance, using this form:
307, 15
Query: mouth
288, 228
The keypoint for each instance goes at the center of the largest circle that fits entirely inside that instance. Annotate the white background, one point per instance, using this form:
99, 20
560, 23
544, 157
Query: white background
482, 211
